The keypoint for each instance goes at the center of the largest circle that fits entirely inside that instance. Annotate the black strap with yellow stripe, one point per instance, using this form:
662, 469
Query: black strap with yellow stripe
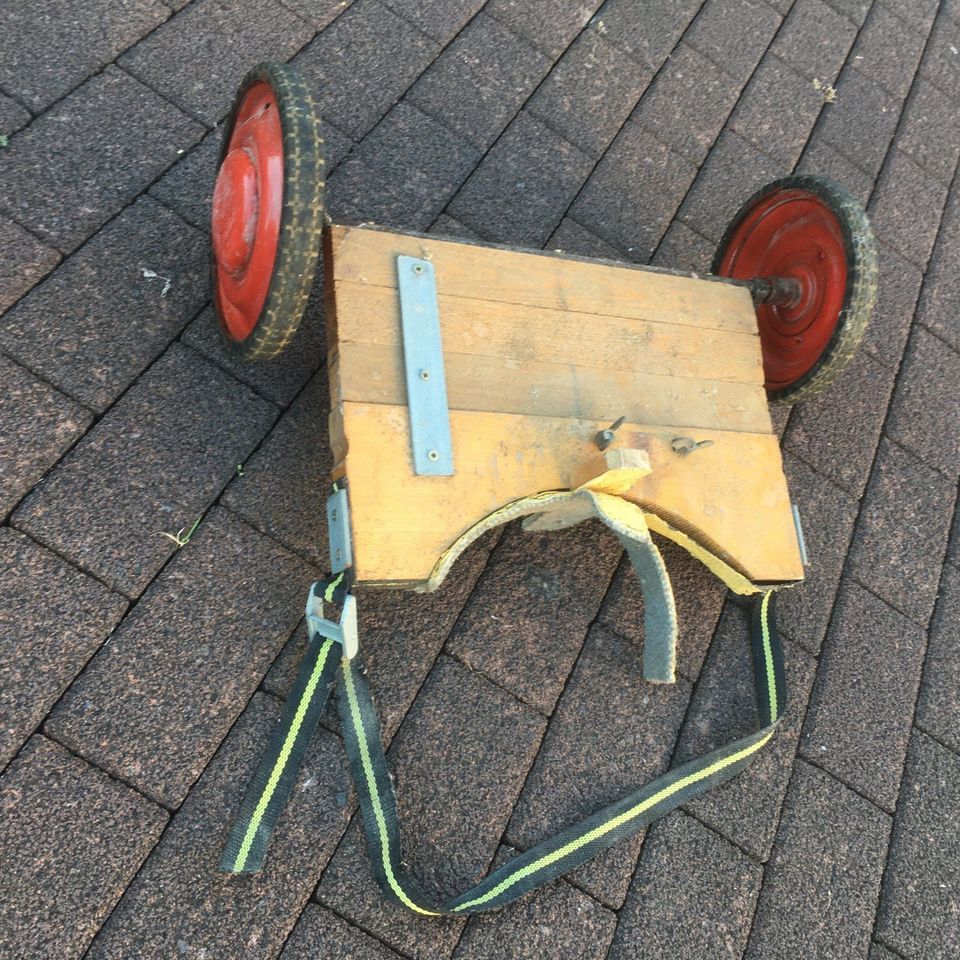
271, 785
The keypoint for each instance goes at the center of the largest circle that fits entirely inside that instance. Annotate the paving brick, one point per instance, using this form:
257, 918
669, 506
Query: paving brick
94, 325
941, 59
820, 158
938, 707
921, 890
923, 411
860, 123
44, 642
930, 131
634, 192
37, 425
24, 261
734, 34
941, 287
919, 14
53, 48
855, 10
480, 81
590, 93
318, 13
453, 820
557, 922
814, 39
441, 21
570, 237
90, 155
836, 433
777, 111
858, 723
699, 598
12, 116
746, 809
610, 734
187, 187
321, 933
879, 952
897, 292
648, 32
693, 896
181, 905
198, 58
284, 486
156, 702
524, 185
888, 51
734, 170
527, 619
953, 546
72, 840
682, 248
901, 534
552, 33
446, 226
821, 885
688, 103
828, 515
152, 464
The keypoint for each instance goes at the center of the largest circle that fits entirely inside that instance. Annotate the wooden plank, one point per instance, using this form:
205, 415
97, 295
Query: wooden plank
730, 496
368, 314
370, 373
541, 280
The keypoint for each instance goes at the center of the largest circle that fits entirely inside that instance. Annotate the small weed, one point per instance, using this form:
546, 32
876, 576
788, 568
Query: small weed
239, 469
4, 140
182, 537
829, 92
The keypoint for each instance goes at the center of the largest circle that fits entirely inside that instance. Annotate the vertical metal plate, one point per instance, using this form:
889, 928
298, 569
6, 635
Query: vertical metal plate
423, 368
338, 531
800, 540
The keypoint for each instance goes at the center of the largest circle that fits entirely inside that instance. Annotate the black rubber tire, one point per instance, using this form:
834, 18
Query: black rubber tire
861, 290
301, 219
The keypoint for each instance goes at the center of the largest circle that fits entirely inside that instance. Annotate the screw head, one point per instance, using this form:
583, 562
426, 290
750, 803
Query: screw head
418, 268
433, 455
424, 374
339, 554
333, 515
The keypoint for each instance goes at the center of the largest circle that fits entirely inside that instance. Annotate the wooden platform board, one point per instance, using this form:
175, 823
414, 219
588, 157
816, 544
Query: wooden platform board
540, 352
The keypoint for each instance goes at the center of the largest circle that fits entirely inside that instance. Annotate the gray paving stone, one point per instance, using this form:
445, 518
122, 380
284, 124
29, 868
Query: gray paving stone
181, 905
745, 810
682, 248
24, 261
858, 723
441, 21
836, 433
590, 92
97, 322
827, 515
953, 546
480, 81
699, 598
152, 464
734, 170
155, 703
941, 59
72, 841
906, 207
734, 34
814, 39
777, 111
198, 58
321, 933
919, 14
54, 47
572, 238
820, 158
888, 51
860, 123
897, 293
37, 425
284, 486
187, 187
921, 890
13, 116
52, 619
692, 897
318, 13
648, 32
552, 33
524, 185
901, 534
634, 191
923, 412
483, 741
688, 103
527, 619
938, 706
90, 155
821, 886
611, 732
879, 952
446, 226
941, 287
930, 131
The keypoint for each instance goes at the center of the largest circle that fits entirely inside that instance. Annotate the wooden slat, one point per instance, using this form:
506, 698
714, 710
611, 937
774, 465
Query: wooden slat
541, 280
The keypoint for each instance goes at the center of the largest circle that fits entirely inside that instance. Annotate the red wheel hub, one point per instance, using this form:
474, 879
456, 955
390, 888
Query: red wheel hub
791, 233
247, 203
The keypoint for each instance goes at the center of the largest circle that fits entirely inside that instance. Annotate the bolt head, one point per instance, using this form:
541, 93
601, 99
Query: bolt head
433, 455
424, 374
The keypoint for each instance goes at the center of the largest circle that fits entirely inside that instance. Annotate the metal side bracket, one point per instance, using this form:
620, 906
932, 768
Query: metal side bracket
338, 530
423, 368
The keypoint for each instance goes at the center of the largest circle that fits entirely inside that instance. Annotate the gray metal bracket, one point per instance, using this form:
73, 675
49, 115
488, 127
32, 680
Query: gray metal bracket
431, 445
338, 530
801, 543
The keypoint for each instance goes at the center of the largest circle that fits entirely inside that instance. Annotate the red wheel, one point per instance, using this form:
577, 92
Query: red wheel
267, 212
810, 231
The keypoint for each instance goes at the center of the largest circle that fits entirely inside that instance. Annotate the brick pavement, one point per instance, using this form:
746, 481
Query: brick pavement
140, 681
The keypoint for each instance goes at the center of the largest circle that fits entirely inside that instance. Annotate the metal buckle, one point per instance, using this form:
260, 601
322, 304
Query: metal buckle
344, 631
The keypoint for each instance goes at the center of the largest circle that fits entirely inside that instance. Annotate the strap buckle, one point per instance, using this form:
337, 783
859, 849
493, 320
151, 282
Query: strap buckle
343, 631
